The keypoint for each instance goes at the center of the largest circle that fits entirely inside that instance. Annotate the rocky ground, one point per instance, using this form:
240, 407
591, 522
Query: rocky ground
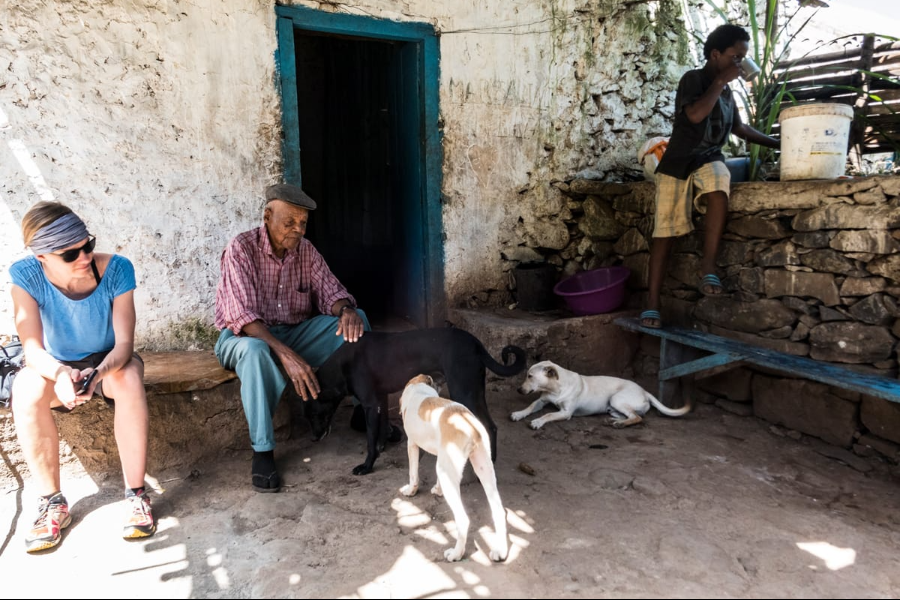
711, 505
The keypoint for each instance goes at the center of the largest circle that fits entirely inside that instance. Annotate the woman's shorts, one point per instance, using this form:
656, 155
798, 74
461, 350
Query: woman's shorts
93, 361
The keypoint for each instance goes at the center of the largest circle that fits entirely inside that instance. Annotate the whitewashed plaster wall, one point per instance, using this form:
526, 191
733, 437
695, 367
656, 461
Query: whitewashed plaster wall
156, 120
159, 122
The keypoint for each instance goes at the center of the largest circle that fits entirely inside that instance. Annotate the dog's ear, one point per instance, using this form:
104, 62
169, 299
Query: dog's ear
551, 373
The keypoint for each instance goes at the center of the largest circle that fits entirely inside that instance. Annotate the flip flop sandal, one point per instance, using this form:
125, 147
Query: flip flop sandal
267, 484
711, 280
651, 314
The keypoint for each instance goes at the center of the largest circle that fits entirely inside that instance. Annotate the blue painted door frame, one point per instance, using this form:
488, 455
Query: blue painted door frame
420, 80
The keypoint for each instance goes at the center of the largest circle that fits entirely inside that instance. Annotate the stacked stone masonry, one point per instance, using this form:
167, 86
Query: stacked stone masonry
810, 268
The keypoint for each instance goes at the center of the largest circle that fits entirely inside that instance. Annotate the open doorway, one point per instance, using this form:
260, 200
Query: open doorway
362, 152
347, 131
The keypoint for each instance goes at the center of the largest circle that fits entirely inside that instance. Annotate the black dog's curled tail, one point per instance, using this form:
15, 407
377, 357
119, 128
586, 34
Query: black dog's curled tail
506, 370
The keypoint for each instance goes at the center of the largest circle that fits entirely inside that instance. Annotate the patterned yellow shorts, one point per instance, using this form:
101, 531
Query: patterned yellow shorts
675, 198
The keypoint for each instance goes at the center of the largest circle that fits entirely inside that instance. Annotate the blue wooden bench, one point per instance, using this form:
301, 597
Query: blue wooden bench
681, 354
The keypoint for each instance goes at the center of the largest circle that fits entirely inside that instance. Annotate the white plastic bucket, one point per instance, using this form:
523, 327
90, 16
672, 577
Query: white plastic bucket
814, 140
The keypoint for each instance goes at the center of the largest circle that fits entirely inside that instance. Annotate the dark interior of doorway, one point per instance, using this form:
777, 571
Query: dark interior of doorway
347, 133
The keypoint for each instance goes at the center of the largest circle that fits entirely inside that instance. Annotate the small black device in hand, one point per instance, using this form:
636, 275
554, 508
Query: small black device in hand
86, 382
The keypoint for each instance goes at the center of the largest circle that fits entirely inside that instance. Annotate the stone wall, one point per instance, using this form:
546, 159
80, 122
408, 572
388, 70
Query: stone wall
810, 269
160, 123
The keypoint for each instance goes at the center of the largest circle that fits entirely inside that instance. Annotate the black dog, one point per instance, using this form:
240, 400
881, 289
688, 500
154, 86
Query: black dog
382, 363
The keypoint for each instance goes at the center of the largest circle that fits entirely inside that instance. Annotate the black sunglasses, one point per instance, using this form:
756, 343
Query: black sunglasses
72, 254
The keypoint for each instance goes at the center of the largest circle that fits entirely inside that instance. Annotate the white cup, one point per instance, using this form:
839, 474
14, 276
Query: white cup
749, 69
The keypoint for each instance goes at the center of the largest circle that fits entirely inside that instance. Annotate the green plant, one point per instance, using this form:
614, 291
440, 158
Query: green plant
770, 43
194, 333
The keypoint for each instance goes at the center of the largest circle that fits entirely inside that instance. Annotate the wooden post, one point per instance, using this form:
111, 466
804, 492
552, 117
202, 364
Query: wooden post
861, 81
672, 354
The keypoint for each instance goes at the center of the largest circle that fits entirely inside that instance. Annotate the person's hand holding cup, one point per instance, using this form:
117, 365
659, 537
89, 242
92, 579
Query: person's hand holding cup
749, 69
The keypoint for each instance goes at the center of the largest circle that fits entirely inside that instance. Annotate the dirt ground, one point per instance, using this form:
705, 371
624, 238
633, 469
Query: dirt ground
711, 505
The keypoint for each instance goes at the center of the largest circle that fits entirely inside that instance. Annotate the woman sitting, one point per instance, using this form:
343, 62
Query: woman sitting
74, 313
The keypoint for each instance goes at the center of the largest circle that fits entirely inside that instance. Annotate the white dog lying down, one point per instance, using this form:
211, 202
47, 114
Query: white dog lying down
450, 431
579, 395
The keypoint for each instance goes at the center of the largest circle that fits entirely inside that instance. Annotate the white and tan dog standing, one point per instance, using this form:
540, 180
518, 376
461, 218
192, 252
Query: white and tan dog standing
451, 432
579, 395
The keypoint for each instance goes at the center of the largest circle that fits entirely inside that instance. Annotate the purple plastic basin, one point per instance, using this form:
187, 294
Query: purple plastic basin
594, 292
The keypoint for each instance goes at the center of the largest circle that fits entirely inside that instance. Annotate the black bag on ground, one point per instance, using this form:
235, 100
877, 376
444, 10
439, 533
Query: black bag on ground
12, 358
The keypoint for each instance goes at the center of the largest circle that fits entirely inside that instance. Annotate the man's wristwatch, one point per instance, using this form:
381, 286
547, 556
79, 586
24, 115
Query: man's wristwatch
345, 307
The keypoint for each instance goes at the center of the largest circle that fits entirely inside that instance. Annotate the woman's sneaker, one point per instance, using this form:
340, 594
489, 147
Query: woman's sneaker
53, 517
140, 521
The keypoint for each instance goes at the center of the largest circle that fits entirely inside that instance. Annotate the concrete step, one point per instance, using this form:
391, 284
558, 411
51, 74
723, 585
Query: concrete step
590, 345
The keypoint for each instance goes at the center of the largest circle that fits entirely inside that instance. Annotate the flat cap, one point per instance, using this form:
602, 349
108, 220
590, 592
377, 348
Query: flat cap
290, 193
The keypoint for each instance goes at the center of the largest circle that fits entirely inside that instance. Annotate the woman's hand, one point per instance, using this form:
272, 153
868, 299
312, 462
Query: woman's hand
91, 377
68, 386
65, 387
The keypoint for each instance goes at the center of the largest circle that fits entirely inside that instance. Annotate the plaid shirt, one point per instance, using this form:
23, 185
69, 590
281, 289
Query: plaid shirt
256, 285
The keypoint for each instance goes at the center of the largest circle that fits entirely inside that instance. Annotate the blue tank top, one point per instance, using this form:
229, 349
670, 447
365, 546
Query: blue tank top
74, 329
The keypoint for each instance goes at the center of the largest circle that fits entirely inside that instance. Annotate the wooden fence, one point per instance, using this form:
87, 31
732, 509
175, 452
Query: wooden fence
847, 77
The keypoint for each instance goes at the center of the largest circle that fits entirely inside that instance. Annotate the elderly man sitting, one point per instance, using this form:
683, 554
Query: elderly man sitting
278, 302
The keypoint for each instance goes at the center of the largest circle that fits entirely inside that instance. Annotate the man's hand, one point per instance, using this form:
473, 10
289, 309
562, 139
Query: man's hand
350, 325
301, 375
299, 372
730, 73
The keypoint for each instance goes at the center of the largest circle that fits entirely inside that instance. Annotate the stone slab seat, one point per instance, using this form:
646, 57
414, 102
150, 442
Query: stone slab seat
691, 352
195, 415
174, 372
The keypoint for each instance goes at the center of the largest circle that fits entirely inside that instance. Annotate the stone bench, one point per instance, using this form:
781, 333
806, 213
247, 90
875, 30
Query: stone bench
195, 415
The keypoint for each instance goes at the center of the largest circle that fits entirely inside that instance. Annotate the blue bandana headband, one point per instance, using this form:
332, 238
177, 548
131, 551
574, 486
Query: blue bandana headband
61, 233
